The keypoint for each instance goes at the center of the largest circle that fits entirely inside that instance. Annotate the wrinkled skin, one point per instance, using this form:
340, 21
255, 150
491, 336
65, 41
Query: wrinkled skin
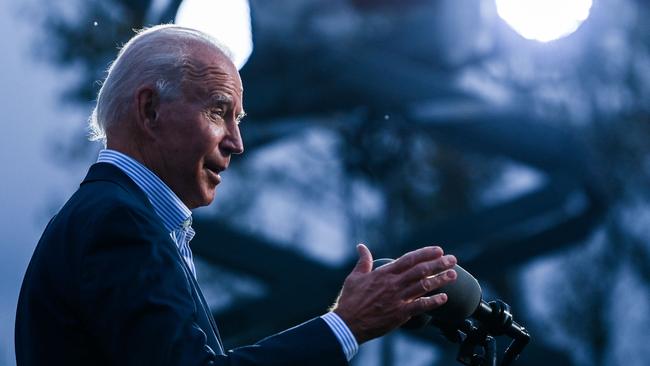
372, 303
188, 141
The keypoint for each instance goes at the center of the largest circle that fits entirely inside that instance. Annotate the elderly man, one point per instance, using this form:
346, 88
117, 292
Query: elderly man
112, 281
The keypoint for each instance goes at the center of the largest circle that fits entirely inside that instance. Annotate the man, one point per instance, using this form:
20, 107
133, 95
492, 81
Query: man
112, 281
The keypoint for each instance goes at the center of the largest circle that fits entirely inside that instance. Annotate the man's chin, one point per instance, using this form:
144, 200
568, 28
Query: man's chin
204, 199
207, 197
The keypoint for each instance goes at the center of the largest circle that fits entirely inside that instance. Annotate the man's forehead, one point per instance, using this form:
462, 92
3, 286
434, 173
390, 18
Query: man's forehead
216, 72
208, 54
212, 74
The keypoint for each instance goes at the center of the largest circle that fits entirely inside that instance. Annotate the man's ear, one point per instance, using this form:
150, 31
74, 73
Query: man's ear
148, 109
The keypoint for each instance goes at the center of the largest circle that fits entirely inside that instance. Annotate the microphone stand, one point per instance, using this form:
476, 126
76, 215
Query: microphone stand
476, 337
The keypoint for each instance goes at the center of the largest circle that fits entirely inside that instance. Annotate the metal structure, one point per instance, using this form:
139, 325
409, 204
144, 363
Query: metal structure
367, 59
317, 78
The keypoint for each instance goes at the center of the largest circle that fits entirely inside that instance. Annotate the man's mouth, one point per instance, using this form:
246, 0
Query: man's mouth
214, 176
213, 172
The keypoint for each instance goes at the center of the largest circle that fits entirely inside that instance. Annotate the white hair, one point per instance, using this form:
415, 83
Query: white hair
153, 56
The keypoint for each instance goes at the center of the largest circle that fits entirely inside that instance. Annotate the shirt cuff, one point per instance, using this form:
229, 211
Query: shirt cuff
343, 334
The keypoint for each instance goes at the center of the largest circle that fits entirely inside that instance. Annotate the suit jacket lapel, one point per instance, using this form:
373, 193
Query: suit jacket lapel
109, 172
205, 308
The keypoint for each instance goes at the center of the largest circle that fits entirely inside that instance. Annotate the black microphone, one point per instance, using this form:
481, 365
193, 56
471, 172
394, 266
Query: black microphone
464, 300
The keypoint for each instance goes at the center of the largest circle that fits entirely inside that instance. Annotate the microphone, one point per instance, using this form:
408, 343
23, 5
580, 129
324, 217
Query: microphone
464, 300
463, 297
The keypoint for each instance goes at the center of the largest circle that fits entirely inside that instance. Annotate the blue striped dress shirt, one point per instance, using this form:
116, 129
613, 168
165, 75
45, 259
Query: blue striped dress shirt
177, 219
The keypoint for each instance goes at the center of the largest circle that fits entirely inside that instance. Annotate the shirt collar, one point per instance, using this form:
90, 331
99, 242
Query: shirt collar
172, 211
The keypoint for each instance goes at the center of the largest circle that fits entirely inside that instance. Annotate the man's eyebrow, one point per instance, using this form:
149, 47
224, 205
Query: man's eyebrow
220, 98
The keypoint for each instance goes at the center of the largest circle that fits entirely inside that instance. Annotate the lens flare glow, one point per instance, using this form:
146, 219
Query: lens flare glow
544, 20
229, 21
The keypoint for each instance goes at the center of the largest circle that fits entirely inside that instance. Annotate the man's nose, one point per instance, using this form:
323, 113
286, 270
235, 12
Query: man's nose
233, 143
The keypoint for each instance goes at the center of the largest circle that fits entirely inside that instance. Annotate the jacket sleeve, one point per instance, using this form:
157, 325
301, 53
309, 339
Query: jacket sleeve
139, 310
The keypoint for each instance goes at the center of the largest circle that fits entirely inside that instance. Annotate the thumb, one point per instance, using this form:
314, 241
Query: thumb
364, 264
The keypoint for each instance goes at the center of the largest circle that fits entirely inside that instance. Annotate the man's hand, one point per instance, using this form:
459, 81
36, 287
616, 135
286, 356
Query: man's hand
372, 303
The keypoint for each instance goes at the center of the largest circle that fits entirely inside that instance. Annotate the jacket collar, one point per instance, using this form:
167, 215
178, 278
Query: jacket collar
111, 173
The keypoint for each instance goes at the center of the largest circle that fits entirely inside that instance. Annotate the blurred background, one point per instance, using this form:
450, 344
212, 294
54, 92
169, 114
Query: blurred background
513, 133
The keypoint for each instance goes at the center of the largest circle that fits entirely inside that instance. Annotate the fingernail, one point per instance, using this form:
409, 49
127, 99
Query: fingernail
451, 274
450, 260
443, 297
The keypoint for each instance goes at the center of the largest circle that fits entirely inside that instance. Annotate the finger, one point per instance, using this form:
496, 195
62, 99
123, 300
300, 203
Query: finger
411, 259
364, 264
429, 268
427, 303
428, 284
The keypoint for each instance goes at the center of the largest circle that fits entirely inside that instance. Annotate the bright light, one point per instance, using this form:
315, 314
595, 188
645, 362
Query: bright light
544, 20
229, 21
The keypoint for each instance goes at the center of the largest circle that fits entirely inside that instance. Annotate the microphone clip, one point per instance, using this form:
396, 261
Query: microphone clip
476, 336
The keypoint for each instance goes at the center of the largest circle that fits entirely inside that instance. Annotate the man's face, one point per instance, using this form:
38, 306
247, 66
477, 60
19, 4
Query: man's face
198, 133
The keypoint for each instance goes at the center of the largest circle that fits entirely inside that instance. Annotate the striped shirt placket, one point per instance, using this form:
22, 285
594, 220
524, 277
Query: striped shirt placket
175, 216
183, 236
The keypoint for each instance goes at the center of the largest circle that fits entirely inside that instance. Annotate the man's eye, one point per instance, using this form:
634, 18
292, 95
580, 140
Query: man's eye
217, 113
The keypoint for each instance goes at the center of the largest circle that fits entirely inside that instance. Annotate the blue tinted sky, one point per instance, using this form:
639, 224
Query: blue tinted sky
33, 185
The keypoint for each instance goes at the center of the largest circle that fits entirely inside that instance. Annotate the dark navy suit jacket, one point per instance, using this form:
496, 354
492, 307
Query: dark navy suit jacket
106, 285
